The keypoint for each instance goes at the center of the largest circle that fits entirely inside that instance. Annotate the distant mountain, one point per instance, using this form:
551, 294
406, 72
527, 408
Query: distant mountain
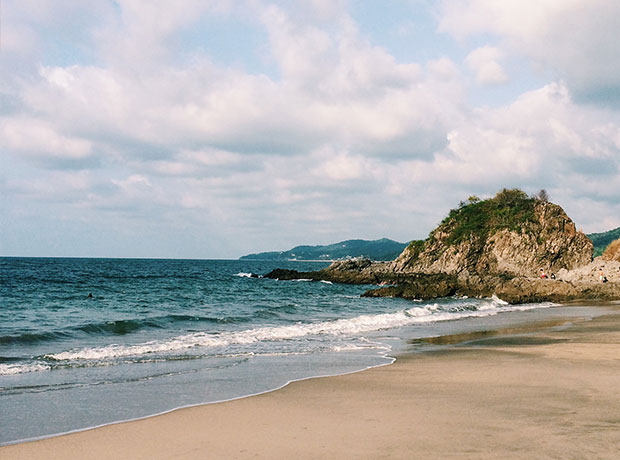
383, 249
602, 240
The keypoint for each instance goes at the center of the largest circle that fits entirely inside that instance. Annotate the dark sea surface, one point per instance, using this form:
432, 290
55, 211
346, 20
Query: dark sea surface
162, 334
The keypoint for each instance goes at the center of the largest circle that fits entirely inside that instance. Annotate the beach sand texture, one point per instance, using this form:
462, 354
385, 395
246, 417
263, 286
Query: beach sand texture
543, 393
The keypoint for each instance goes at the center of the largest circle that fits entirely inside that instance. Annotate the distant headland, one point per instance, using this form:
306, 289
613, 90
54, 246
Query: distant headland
383, 249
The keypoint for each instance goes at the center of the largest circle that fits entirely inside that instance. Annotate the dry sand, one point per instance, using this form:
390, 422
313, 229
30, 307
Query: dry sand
552, 394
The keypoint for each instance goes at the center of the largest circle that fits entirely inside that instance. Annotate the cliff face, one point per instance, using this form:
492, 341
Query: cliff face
508, 234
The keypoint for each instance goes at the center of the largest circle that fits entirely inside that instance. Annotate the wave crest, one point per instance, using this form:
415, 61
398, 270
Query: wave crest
341, 327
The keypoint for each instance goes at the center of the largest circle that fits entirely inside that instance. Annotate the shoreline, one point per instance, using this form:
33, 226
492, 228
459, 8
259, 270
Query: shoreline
75, 410
386, 357
190, 406
189, 431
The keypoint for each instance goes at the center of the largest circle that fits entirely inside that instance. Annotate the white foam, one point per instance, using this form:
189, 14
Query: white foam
342, 327
14, 369
498, 301
326, 282
244, 275
354, 347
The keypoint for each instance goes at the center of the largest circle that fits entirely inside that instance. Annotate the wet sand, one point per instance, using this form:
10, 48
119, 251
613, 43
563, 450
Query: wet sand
546, 391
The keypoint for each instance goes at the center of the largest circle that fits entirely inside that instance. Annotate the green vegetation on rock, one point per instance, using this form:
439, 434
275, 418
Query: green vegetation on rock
416, 247
511, 233
510, 209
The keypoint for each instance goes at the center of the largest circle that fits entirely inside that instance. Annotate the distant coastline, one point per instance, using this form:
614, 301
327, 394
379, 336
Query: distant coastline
378, 250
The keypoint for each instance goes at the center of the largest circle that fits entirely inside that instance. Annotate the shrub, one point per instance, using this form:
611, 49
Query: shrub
415, 248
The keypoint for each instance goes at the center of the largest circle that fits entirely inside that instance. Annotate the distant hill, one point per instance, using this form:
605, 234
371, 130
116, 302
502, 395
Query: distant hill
383, 249
602, 240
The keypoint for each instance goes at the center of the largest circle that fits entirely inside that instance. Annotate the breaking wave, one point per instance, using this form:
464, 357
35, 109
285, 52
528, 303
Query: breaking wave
268, 334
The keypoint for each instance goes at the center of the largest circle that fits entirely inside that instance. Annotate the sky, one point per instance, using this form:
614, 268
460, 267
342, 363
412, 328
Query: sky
213, 129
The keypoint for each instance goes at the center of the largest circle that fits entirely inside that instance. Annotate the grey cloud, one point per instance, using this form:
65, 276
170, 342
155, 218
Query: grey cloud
419, 145
67, 164
606, 95
595, 168
10, 104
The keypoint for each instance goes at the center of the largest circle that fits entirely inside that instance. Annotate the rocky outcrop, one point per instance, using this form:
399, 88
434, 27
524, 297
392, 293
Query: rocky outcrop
511, 234
338, 272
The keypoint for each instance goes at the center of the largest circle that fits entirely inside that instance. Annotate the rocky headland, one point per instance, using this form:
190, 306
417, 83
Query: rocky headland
519, 248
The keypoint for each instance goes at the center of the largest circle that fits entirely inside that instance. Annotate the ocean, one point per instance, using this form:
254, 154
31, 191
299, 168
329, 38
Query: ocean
87, 342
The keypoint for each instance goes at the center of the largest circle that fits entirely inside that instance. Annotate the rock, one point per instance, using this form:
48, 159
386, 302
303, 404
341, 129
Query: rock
284, 274
420, 286
612, 252
515, 291
334, 274
516, 235
355, 264
591, 272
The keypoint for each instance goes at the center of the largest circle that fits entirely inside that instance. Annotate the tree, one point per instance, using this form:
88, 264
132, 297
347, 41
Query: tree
510, 197
542, 195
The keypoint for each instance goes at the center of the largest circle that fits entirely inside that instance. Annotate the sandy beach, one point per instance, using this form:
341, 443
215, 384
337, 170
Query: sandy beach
545, 391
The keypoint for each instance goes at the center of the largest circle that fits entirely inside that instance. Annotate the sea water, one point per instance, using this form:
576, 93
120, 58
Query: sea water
86, 342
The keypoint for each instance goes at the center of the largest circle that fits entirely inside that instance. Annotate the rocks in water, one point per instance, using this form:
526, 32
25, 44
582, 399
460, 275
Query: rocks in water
285, 274
352, 271
419, 286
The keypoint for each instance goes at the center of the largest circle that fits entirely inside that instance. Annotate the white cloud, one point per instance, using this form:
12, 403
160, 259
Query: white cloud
536, 135
574, 39
140, 37
342, 64
542, 140
345, 140
484, 63
340, 166
443, 69
40, 139
335, 88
